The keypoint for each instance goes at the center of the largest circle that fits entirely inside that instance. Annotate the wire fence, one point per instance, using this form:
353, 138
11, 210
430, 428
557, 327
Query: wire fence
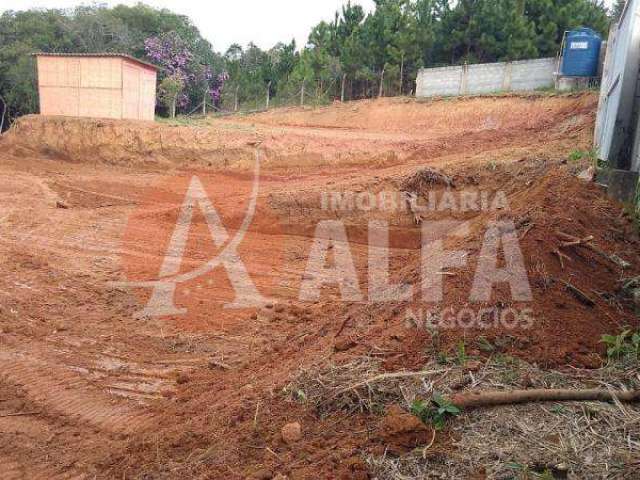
304, 94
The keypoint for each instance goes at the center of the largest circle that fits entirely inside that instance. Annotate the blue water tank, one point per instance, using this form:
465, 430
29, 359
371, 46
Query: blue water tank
581, 53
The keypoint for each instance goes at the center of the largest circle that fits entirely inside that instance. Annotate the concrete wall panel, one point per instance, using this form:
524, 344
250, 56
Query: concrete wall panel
485, 78
532, 74
439, 81
522, 75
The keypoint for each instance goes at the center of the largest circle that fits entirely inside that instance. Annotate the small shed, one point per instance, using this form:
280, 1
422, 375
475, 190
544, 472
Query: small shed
99, 85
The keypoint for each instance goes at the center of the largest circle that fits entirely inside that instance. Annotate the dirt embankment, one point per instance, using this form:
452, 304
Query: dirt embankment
380, 133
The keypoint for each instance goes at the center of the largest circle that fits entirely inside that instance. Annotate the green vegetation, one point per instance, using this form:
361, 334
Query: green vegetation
577, 155
436, 412
168, 92
623, 347
355, 55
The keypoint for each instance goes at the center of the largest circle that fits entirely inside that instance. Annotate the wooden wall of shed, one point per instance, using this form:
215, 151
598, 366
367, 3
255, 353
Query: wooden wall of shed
139, 91
99, 87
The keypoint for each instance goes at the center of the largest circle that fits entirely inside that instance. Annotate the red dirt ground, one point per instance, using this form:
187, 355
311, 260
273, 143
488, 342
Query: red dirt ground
102, 394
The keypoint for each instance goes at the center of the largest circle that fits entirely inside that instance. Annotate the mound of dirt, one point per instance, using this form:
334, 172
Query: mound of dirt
380, 133
437, 117
126, 142
578, 248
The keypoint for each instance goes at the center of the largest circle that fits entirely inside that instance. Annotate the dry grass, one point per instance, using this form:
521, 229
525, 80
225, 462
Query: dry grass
573, 440
424, 179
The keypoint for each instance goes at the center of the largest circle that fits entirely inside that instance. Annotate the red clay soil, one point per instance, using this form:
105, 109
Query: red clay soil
103, 394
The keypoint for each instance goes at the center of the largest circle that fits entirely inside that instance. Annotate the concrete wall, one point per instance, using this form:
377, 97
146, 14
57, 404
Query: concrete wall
522, 75
100, 87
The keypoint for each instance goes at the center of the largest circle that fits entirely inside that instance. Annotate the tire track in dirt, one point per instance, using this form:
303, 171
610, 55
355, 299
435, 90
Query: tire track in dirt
62, 393
12, 470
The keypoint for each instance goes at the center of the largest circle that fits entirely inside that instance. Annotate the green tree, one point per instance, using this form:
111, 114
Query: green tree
169, 91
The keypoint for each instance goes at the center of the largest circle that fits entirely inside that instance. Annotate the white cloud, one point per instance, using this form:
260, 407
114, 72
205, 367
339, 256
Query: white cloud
237, 21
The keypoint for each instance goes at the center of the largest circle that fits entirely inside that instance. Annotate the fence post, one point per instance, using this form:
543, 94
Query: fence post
4, 111
382, 81
464, 79
506, 79
204, 104
268, 94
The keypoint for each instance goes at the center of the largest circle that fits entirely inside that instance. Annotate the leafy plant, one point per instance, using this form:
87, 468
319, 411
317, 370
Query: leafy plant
485, 345
436, 412
576, 155
622, 346
558, 409
461, 353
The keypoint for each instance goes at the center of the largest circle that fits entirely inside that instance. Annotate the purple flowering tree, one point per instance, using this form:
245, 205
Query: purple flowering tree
177, 61
173, 56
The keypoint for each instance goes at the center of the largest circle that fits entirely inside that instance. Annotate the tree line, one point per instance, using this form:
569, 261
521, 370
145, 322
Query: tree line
354, 55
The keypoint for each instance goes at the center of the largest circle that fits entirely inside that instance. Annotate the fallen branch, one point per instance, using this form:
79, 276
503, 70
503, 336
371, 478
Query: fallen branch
342, 326
578, 242
217, 363
587, 242
526, 230
388, 376
561, 256
493, 398
18, 414
579, 294
412, 202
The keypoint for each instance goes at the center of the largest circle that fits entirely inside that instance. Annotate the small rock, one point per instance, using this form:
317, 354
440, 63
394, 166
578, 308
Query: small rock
473, 365
291, 433
587, 175
344, 344
636, 297
263, 474
402, 431
61, 204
